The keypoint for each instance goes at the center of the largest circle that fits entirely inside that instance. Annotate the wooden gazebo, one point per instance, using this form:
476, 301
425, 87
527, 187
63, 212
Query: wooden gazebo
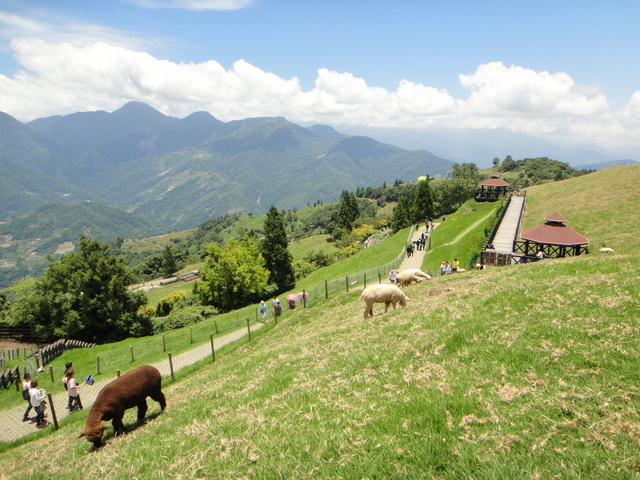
553, 238
491, 189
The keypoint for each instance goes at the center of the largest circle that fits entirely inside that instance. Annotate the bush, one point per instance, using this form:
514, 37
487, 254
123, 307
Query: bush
168, 303
183, 317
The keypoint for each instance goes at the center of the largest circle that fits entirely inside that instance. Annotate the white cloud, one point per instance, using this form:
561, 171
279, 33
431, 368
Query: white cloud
59, 74
498, 90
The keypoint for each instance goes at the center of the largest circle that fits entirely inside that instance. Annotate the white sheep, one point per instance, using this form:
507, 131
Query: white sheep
407, 277
387, 294
607, 250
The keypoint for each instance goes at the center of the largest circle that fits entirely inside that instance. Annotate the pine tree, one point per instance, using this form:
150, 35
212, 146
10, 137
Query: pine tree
277, 258
348, 211
400, 217
422, 202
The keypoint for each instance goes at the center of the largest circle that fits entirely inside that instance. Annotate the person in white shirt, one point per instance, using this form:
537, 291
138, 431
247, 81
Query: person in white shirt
37, 402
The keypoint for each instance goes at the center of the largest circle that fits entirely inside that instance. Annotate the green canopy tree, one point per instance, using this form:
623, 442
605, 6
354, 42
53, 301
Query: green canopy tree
84, 296
462, 186
278, 259
232, 276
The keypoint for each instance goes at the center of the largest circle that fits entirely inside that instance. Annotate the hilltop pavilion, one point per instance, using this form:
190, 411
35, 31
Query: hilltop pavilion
553, 238
491, 189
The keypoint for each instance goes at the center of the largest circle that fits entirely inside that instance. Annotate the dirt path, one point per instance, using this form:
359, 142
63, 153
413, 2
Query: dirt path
462, 234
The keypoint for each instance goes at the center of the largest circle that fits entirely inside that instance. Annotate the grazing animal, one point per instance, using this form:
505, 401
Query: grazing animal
607, 250
387, 294
127, 391
407, 277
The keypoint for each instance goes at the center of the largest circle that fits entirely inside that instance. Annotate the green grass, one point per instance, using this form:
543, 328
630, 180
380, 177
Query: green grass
158, 293
313, 244
461, 235
517, 372
603, 206
527, 371
375, 256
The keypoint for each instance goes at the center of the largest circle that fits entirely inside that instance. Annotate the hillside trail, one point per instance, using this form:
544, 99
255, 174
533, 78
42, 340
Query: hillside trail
415, 260
471, 227
12, 427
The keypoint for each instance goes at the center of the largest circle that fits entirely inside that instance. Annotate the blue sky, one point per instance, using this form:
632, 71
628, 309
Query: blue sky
567, 71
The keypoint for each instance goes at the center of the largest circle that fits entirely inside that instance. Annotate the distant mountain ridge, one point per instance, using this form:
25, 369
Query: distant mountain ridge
180, 172
481, 146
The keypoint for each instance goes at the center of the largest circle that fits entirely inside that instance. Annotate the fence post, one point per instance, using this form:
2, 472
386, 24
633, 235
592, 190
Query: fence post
213, 350
191, 334
53, 411
249, 328
98, 364
304, 299
215, 324
326, 290
51, 373
164, 344
379, 278
346, 281
365, 280
118, 373
131, 349
173, 378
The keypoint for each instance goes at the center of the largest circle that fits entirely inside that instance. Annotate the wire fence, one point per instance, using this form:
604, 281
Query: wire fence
180, 348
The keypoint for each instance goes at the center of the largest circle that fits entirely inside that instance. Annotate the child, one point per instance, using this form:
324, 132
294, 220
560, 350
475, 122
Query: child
38, 403
74, 396
68, 366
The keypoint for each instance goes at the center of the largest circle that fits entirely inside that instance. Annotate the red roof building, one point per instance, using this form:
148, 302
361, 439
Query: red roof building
554, 239
491, 189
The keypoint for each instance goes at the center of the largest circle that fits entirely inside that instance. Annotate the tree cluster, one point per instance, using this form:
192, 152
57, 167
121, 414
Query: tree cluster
414, 206
84, 296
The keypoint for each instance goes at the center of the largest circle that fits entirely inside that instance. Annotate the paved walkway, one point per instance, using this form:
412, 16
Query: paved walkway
12, 428
503, 240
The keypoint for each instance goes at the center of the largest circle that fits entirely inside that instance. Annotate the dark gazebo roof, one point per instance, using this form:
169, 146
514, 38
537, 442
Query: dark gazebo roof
554, 232
494, 181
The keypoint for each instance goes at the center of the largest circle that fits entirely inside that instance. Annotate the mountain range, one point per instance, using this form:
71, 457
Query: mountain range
481, 146
176, 173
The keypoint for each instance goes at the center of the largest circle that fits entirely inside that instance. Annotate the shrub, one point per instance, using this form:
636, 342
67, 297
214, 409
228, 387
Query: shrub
168, 303
183, 317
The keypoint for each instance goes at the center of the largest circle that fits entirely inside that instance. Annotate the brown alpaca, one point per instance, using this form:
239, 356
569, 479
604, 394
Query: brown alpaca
128, 391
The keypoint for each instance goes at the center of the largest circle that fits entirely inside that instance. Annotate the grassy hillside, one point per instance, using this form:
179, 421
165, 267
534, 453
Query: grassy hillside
603, 206
522, 372
462, 235
527, 371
